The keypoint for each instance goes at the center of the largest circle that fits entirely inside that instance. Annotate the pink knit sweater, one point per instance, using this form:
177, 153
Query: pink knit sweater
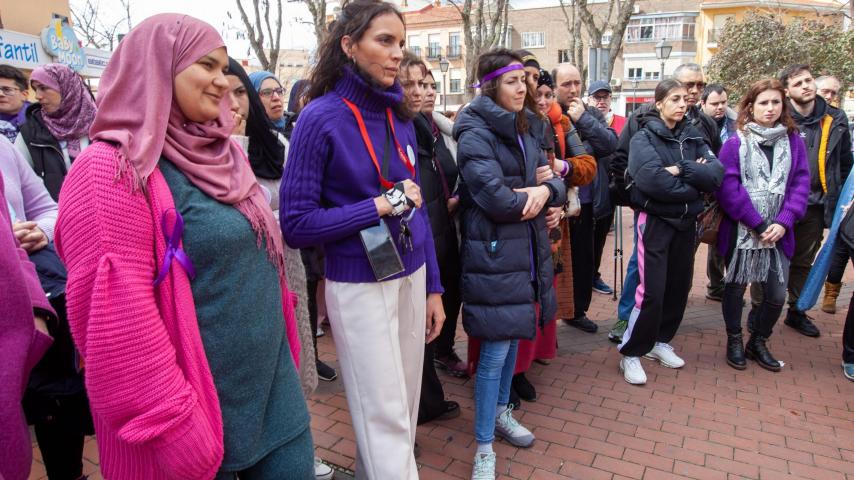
156, 410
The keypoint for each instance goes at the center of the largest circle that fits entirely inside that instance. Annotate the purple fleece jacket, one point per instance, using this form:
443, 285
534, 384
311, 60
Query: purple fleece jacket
328, 188
21, 345
738, 208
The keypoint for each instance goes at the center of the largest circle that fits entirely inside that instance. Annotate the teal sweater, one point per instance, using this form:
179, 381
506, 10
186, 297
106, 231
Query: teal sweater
239, 309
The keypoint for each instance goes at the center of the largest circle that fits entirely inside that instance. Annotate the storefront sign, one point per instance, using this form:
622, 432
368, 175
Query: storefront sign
61, 43
20, 50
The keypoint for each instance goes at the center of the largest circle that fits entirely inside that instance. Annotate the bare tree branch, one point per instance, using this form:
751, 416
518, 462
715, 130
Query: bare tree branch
269, 58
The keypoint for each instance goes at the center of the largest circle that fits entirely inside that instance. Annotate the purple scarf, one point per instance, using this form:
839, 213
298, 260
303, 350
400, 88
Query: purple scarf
13, 122
76, 110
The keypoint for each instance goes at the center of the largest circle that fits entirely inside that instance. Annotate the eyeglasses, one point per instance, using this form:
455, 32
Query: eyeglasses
693, 85
9, 90
268, 92
600, 98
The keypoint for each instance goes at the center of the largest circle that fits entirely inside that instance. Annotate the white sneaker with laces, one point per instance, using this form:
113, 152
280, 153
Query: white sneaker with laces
322, 471
484, 466
509, 429
633, 370
663, 352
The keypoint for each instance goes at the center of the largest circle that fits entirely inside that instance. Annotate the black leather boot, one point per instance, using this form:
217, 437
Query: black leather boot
757, 351
802, 323
735, 351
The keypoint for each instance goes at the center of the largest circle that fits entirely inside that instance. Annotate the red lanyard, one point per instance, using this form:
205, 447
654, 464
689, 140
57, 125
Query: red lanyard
370, 146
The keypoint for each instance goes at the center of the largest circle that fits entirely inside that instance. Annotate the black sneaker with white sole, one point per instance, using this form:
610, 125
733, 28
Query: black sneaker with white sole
325, 372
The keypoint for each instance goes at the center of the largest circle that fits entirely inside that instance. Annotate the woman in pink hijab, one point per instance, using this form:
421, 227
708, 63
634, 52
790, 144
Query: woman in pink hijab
57, 127
177, 298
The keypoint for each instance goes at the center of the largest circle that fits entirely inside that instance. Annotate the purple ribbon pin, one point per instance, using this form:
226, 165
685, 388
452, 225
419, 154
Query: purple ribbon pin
173, 248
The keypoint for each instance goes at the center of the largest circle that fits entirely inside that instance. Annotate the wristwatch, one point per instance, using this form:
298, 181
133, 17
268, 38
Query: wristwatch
396, 196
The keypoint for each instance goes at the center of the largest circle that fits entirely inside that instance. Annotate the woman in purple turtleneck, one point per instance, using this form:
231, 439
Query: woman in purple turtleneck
350, 171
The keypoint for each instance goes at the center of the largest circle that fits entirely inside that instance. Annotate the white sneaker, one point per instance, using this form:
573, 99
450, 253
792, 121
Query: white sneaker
484, 466
664, 354
509, 429
633, 370
322, 471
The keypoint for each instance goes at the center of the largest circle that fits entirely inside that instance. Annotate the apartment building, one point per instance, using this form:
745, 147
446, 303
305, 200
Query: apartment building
435, 32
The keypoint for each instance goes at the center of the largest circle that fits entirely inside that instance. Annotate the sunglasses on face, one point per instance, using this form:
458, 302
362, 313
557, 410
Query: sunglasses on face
693, 85
268, 92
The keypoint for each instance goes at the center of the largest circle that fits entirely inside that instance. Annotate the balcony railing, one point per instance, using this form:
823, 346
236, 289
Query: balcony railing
683, 38
434, 52
455, 51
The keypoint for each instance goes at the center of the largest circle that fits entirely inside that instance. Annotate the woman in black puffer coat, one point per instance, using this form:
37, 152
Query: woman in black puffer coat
671, 167
506, 254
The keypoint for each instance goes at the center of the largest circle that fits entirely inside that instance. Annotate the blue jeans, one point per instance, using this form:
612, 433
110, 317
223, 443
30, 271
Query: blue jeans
627, 298
492, 387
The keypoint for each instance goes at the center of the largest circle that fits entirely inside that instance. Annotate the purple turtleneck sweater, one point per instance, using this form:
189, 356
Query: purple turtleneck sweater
328, 188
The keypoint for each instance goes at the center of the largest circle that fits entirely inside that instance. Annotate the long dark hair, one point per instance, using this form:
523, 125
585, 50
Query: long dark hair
354, 20
745, 107
266, 154
491, 61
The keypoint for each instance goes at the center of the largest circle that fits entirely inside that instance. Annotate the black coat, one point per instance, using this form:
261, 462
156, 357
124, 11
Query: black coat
704, 124
656, 191
837, 160
48, 161
431, 151
507, 262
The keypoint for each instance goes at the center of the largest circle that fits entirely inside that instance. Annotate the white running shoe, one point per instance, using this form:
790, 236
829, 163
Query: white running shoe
484, 466
322, 471
633, 370
509, 429
664, 354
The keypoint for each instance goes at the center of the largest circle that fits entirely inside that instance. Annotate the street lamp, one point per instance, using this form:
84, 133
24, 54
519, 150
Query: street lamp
443, 66
662, 52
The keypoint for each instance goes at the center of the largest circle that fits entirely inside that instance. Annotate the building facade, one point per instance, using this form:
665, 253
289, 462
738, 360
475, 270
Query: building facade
36, 33
714, 14
434, 32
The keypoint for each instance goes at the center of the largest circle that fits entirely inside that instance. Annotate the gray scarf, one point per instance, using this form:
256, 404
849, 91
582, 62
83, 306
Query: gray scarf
766, 186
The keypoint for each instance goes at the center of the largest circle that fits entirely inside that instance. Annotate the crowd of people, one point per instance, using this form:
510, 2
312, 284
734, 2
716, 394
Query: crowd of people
170, 246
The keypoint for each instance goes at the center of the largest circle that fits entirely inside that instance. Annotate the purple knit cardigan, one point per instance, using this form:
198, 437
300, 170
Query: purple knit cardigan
738, 208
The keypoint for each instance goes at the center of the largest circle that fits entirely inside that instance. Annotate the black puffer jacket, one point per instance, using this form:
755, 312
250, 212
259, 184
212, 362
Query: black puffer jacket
657, 192
507, 262
704, 124
48, 161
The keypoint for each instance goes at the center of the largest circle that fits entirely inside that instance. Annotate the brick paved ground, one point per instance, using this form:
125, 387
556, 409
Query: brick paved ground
705, 421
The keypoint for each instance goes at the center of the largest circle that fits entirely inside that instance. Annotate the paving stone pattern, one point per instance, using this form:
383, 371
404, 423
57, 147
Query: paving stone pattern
704, 421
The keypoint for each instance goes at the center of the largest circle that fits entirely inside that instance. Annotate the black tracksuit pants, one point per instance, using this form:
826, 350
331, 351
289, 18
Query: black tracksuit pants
600, 236
666, 268
581, 230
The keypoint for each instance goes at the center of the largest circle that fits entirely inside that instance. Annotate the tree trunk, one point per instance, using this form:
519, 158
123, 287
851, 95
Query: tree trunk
256, 32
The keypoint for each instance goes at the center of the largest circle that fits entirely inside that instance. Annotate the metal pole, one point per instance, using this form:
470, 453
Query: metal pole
444, 95
662, 69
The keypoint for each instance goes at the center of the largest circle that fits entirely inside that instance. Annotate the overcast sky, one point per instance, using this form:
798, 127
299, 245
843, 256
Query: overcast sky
297, 27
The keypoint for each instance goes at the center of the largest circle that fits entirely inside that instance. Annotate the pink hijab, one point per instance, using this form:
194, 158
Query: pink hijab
76, 109
134, 95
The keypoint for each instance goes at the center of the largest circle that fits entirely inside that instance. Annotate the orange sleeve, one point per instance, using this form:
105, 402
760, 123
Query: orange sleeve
583, 170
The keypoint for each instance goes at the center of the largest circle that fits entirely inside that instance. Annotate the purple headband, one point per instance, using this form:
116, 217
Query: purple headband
497, 73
